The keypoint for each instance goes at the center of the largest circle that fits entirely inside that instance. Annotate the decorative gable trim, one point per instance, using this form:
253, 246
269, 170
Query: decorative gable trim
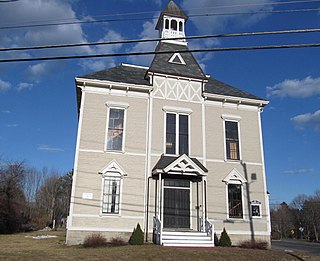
234, 177
177, 59
113, 169
185, 166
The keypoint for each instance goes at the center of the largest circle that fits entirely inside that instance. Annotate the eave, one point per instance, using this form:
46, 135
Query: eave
233, 99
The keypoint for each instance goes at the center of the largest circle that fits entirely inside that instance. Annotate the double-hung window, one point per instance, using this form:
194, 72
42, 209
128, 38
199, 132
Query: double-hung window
111, 195
177, 134
115, 129
235, 200
232, 140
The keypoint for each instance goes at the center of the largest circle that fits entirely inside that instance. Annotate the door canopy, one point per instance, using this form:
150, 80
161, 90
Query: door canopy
179, 165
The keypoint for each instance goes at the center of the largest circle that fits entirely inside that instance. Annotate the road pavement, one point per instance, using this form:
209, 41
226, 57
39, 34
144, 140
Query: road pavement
291, 245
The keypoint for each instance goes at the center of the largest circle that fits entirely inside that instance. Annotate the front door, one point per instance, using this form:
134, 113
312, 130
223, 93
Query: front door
176, 207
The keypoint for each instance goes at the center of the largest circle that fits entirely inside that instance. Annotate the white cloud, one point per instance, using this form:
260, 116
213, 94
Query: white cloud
13, 125
47, 148
214, 24
103, 63
304, 88
24, 85
148, 32
298, 171
311, 120
6, 111
4, 85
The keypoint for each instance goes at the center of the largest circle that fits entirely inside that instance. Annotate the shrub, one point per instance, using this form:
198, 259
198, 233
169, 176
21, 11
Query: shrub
216, 240
137, 237
117, 241
95, 240
225, 240
254, 244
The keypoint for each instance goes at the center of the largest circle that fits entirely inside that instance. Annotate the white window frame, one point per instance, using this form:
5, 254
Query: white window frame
255, 203
234, 177
119, 106
112, 171
236, 119
177, 112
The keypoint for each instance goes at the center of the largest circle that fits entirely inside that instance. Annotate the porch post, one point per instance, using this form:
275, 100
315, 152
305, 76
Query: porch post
204, 205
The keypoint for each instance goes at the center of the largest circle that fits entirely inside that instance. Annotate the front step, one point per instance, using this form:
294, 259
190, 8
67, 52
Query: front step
186, 239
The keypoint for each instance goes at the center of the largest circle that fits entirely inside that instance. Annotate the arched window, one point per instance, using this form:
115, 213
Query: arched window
166, 23
180, 26
174, 25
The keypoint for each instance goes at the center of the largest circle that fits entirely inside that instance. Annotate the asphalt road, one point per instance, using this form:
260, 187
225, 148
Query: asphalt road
296, 245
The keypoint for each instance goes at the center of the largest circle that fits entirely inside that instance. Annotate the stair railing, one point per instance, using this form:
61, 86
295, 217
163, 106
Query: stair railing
157, 230
209, 229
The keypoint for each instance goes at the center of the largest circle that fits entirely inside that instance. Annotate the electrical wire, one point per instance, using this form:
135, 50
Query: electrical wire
246, 48
156, 17
246, 34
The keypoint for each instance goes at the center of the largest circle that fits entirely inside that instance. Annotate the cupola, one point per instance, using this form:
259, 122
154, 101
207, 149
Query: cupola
171, 23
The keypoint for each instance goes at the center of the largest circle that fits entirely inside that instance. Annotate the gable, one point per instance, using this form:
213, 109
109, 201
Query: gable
234, 177
180, 165
113, 169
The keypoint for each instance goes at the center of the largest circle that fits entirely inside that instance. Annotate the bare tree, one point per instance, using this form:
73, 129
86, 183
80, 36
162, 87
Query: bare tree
12, 200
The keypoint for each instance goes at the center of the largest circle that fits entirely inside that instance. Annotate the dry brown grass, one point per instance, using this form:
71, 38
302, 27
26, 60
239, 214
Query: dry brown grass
24, 247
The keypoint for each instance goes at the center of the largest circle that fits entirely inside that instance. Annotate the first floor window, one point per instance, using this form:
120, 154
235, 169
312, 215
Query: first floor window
232, 140
235, 201
255, 207
115, 129
111, 195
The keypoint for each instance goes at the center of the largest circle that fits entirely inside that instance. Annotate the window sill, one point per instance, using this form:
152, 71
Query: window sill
115, 151
235, 220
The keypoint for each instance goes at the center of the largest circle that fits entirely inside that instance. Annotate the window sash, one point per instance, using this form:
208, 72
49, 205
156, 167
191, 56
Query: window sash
232, 140
115, 129
111, 195
235, 201
177, 134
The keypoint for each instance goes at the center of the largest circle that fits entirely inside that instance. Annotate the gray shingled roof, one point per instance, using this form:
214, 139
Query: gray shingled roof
165, 161
214, 86
121, 73
161, 64
172, 10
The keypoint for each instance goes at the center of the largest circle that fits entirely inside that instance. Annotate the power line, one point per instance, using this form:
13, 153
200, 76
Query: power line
156, 17
246, 34
246, 48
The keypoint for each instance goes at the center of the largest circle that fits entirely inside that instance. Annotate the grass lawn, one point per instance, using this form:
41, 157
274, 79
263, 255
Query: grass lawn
24, 247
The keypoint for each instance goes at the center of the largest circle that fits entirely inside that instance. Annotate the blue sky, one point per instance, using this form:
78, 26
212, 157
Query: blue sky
38, 112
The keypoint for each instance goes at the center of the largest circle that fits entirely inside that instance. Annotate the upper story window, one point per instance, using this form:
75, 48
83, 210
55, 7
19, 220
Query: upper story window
177, 134
115, 129
180, 26
232, 140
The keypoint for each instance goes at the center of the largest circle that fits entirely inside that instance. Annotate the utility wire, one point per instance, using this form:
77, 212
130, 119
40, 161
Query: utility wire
156, 17
246, 34
246, 48
201, 8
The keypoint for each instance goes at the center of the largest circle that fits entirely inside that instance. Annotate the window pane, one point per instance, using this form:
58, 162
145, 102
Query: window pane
255, 210
232, 140
174, 25
115, 129
235, 201
183, 134
111, 195
167, 24
171, 134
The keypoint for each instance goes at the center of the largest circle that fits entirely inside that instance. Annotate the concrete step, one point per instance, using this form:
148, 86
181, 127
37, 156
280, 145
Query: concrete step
186, 239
